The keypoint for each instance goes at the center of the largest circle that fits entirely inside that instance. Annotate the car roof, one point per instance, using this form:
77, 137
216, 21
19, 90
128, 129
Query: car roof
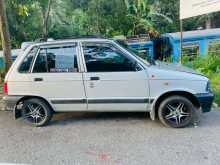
51, 42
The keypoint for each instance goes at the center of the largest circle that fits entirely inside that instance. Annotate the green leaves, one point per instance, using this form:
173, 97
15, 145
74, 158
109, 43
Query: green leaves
143, 14
23, 10
210, 66
81, 17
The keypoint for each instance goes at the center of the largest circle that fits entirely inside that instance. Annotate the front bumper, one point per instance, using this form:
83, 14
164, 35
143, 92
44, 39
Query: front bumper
205, 101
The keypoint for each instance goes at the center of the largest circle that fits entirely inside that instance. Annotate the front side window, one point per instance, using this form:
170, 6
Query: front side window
56, 60
26, 63
101, 57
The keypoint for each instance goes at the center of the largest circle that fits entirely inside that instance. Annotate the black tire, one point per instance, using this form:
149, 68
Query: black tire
36, 112
176, 112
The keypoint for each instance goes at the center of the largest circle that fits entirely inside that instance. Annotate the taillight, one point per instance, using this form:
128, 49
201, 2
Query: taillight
6, 88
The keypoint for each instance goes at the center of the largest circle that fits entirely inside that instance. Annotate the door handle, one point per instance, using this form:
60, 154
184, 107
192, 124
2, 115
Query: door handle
38, 79
94, 78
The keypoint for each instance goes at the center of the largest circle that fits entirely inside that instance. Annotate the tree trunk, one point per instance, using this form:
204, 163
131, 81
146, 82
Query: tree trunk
208, 22
46, 15
5, 36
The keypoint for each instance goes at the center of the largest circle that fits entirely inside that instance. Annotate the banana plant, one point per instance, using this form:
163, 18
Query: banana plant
143, 13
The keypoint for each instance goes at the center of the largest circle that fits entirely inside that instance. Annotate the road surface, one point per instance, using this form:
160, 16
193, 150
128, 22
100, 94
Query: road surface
109, 139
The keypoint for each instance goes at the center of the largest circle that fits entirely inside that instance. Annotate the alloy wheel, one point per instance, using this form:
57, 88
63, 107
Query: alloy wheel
34, 113
177, 113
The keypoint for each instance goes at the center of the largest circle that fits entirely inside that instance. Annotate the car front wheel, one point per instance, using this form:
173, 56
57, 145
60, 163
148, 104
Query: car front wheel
176, 112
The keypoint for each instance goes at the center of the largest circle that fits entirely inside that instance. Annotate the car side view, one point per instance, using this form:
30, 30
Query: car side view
100, 75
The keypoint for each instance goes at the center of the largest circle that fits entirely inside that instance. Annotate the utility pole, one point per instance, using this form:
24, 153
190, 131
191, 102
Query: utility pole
181, 41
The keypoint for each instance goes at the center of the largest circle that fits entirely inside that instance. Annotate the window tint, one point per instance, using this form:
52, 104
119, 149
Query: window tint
106, 58
26, 64
56, 60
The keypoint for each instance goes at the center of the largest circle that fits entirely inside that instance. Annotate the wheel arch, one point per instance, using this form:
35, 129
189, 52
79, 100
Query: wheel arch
156, 104
31, 97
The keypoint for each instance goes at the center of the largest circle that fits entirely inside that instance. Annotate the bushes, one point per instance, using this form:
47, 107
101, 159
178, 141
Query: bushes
210, 66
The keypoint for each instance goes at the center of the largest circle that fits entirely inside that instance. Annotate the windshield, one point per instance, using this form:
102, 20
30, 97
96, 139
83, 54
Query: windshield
135, 53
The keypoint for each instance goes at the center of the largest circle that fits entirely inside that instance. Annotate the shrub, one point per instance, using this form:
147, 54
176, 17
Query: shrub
210, 66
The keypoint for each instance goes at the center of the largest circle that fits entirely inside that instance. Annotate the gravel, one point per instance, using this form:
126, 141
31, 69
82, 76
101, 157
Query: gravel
109, 139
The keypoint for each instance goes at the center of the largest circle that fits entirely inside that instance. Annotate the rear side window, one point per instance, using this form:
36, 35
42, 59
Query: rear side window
56, 60
26, 63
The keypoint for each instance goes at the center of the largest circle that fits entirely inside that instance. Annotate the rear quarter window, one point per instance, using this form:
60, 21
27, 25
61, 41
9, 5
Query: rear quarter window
27, 61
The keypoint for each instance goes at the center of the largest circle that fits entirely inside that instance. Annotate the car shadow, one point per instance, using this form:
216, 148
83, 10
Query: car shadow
206, 120
71, 117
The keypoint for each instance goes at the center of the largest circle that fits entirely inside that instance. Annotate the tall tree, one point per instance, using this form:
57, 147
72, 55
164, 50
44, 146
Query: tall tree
5, 36
143, 13
169, 8
206, 20
45, 9
108, 17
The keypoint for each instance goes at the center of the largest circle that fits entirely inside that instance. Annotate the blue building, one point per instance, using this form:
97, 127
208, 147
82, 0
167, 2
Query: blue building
146, 48
15, 53
195, 43
199, 42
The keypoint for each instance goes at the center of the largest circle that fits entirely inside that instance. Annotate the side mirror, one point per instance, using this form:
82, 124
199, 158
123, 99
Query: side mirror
135, 66
151, 60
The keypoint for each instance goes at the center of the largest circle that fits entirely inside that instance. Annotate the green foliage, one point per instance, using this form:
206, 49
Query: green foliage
91, 17
210, 66
143, 14
67, 18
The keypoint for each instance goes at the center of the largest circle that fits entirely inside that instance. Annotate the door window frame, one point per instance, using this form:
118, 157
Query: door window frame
74, 44
113, 45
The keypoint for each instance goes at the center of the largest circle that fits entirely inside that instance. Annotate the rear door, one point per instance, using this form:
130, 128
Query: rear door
113, 80
56, 76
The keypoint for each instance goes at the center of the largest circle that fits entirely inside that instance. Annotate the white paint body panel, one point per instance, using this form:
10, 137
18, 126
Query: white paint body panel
117, 85
61, 86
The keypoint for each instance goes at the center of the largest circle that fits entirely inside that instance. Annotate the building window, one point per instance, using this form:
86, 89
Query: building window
214, 47
191, 50
144, 52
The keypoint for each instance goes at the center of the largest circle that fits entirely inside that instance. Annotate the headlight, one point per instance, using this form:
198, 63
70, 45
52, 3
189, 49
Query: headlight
208, 87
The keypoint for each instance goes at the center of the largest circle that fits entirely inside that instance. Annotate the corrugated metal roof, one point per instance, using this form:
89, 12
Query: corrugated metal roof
208, 33
141, 43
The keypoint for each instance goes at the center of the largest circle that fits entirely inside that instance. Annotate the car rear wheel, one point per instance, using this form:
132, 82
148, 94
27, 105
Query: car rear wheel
36, 112
176, 112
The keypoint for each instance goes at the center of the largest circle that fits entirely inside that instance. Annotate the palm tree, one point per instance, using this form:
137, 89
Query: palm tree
143, 14
5, 37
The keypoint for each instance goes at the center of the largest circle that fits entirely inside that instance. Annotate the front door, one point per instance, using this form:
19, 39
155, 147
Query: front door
56, 76
113, 80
